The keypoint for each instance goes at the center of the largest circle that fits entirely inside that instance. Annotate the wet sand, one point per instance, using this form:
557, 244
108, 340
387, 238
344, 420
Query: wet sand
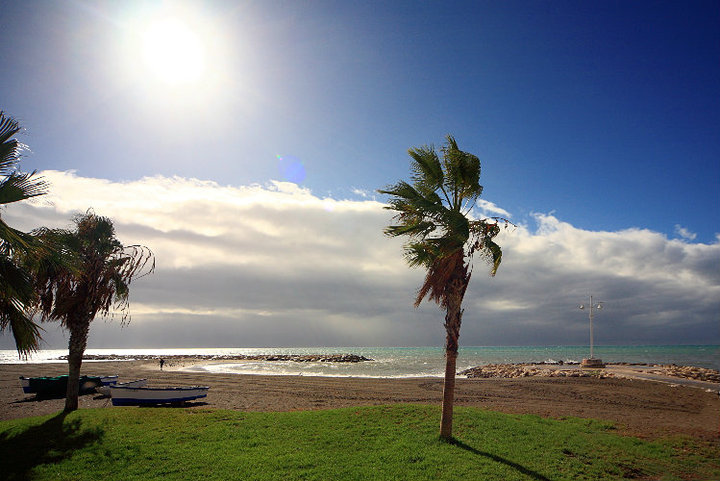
643, 408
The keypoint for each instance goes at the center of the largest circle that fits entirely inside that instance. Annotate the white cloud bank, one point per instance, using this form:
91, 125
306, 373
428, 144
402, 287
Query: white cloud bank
276, 265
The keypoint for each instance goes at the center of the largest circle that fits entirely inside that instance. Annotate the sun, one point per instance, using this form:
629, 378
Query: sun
172, 52
174, 57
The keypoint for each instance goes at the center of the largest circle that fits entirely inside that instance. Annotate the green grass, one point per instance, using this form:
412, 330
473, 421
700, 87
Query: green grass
383, 443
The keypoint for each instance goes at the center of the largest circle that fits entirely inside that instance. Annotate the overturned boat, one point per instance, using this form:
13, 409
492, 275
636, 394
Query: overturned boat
56, 386
123, 395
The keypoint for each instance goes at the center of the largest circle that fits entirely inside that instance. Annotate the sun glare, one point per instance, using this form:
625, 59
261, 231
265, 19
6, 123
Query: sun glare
172, 52
175, 59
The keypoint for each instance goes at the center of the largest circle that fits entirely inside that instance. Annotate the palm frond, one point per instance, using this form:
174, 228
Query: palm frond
140, 262
21, 186
408, 197
8, 127
462, 176
419, 254
418, 214
439, 278
25, 331
495, 255
10, 149
15, 281
418, 228
427, 173
13, 240
484, 231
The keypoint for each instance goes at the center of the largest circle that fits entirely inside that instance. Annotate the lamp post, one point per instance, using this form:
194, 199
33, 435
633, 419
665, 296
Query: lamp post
592, 362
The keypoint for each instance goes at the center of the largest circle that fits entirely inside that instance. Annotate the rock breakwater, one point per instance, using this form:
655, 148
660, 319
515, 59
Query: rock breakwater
223, 357
527, 370
690, 372
539, 369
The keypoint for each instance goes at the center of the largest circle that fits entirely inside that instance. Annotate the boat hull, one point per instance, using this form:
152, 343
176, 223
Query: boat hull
25, 383
52, 387
105, 390
135, 396
108, 380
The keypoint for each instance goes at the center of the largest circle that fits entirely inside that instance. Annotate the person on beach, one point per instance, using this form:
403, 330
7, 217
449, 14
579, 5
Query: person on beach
162, 363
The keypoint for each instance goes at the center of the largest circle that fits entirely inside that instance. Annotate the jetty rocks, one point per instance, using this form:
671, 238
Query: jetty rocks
691, 372
537, 369
685, 372
527, 370
227, 357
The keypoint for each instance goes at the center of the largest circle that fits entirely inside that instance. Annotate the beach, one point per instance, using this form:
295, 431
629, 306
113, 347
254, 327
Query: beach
640, 407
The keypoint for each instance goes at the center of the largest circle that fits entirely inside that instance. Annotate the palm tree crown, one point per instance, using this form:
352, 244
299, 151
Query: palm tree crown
433, 212
97, 278
16, 289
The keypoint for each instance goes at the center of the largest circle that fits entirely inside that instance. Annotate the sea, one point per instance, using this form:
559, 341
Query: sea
401, 362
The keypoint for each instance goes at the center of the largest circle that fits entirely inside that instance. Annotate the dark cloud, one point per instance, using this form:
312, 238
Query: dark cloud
278, 266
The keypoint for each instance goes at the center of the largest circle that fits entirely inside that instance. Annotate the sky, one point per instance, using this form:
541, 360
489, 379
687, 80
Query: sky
244, 142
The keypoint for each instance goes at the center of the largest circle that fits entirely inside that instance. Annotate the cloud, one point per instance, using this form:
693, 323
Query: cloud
684, 233
488, 209
652, 286
276, 265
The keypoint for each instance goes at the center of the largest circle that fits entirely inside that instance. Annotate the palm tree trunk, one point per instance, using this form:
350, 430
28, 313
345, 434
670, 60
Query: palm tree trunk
446, 421
453, 320
76, 349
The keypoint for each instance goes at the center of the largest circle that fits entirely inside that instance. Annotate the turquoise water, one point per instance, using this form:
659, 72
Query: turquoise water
410, 361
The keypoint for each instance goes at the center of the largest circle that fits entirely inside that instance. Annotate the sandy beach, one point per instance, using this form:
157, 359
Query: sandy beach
639, 407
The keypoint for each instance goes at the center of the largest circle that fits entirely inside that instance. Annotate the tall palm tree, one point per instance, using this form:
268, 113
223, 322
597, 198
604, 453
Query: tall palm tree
16, 289
434, 213
96, 281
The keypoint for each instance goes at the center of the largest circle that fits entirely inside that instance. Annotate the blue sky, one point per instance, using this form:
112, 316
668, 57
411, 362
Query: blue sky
601, 116
606, 113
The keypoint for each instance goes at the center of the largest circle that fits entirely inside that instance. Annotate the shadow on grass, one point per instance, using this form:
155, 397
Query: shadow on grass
50, 442
40, 398
498, 459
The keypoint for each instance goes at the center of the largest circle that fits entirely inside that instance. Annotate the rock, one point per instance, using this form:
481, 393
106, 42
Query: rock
510, 371
692, 372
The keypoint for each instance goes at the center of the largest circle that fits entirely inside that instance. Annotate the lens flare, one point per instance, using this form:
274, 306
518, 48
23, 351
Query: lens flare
291, 168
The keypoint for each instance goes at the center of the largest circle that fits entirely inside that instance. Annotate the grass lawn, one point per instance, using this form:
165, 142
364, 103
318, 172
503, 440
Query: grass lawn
383, 443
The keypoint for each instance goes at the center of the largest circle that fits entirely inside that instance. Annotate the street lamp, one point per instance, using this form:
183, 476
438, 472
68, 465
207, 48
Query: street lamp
592, 362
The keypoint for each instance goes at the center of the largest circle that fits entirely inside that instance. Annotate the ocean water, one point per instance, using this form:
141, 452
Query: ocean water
406, 361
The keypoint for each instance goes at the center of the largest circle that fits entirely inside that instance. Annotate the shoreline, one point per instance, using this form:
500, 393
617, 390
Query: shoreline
698, 376
639, 407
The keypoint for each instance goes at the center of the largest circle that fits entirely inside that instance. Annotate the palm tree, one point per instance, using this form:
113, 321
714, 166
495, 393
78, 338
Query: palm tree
16, 289
434, 213
95, 281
